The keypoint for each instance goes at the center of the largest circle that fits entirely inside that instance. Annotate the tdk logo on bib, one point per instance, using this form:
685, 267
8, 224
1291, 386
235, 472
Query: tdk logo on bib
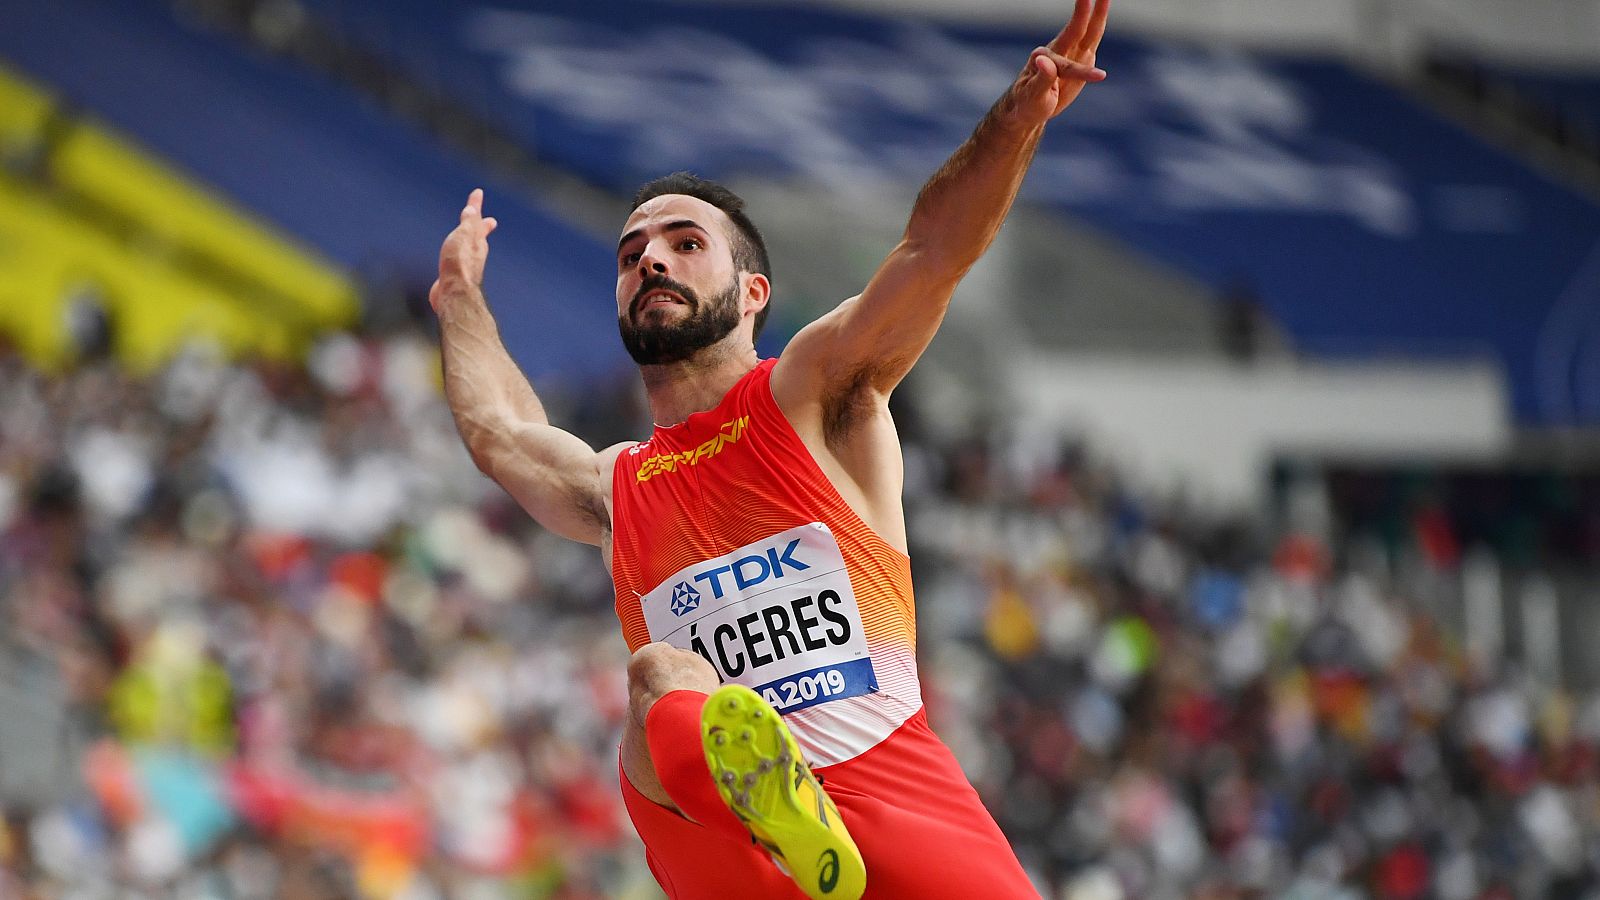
685, 599
777, 615
748, 571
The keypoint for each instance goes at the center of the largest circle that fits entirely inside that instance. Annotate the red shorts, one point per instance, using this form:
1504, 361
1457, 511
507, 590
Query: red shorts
919, 825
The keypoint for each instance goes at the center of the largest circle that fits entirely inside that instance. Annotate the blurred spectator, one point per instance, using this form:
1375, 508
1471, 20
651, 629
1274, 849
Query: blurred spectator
1245, 330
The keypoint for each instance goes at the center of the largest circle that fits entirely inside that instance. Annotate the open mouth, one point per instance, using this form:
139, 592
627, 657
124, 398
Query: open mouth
656, 299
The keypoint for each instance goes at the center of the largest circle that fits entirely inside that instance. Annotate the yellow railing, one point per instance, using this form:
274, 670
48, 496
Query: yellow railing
23, 112
84, 214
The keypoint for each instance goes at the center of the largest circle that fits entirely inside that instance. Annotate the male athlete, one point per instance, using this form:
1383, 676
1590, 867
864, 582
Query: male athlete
756, 540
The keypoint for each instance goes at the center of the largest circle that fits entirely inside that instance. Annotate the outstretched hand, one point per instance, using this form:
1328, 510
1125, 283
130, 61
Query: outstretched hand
1056, 73
465, 251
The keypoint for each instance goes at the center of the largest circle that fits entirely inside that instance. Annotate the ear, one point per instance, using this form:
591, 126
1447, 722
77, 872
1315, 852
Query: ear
756, 291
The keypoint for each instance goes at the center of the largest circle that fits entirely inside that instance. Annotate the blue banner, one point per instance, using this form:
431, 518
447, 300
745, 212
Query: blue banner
1367, 224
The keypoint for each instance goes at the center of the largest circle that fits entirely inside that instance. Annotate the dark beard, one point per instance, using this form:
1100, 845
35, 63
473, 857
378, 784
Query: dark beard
670, 342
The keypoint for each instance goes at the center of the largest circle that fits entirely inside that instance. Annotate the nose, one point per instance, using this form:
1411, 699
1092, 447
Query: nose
651, 264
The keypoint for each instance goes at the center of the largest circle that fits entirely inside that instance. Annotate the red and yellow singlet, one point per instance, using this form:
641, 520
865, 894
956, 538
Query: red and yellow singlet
729, 541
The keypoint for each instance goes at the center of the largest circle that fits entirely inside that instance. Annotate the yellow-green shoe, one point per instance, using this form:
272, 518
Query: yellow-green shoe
761, 775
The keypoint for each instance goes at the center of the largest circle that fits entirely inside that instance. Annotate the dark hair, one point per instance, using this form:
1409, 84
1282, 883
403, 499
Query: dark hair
749, 250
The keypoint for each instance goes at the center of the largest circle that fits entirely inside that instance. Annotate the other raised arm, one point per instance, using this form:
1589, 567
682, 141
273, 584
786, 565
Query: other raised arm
558, 479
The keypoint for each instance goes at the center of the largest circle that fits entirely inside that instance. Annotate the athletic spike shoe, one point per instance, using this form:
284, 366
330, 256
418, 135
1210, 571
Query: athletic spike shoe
761, 775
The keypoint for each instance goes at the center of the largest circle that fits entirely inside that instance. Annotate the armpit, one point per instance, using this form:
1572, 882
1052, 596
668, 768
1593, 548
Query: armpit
851, 402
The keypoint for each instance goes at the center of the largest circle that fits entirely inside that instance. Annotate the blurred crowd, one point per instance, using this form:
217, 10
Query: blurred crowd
1159, 704
267, 633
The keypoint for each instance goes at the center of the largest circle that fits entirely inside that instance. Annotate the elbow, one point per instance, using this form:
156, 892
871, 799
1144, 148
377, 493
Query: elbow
483, 461
482, 445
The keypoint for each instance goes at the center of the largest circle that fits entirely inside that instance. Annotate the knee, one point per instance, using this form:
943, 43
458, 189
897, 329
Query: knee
658, 669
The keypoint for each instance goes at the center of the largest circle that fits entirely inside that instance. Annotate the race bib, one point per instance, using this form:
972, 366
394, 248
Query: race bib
777, 615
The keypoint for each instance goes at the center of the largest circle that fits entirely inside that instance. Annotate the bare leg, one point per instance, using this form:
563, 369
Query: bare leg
654, 671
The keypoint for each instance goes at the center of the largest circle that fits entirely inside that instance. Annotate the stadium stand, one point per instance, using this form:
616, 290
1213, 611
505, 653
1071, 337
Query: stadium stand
92, 220
311, 158
1574, 96
265, 632
1363, 223
1550, 118
1366, 223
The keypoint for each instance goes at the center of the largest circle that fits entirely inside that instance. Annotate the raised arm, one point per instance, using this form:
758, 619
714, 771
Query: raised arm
556, 477
871, 341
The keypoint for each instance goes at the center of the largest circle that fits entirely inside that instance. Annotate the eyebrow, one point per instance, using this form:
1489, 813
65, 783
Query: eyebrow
679, 225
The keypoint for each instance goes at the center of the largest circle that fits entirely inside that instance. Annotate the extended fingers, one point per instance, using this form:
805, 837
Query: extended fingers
1076, 27
1084, 31
1097, 25
472, 218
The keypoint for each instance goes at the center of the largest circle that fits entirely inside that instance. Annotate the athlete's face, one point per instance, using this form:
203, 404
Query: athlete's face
678, 290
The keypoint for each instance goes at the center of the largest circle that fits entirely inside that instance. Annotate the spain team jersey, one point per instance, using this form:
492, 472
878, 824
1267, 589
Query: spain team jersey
729, 541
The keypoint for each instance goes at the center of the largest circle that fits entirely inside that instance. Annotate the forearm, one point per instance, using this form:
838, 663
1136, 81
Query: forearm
961, 208
487, 392
873, 340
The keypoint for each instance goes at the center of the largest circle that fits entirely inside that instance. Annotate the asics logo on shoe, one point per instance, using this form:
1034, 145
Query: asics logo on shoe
828, 877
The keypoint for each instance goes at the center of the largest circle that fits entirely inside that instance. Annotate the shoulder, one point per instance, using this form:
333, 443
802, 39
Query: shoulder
605, 470
606, 463
606, 459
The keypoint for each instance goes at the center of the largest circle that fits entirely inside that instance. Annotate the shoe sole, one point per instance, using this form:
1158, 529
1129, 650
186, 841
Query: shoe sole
756, 764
